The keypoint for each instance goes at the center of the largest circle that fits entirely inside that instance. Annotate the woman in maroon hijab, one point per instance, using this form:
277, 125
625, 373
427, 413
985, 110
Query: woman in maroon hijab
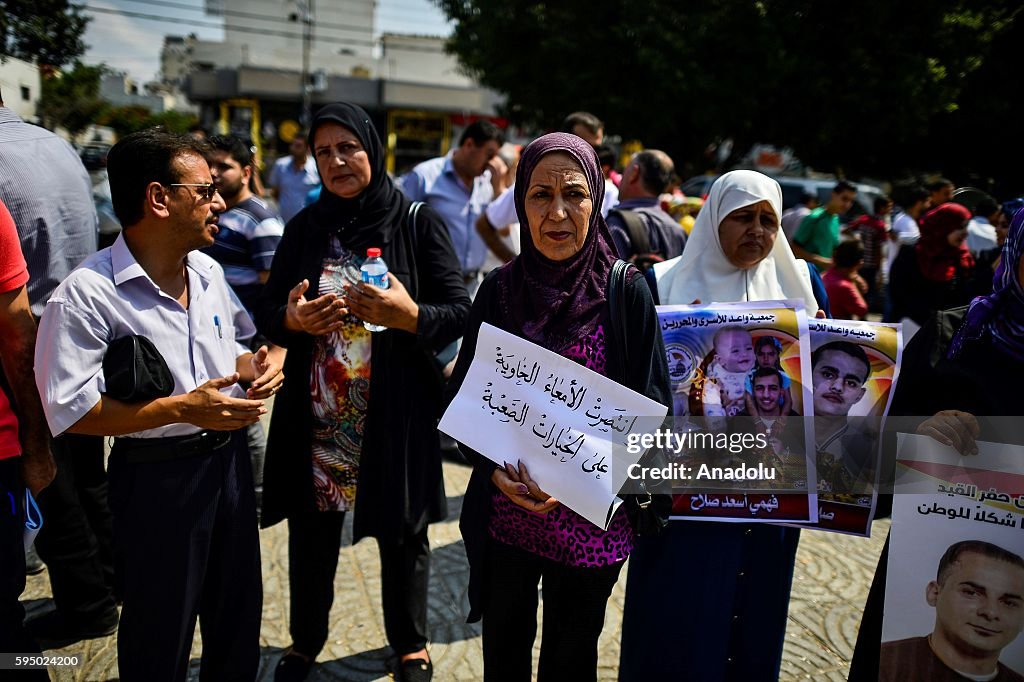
935, 273
555, 294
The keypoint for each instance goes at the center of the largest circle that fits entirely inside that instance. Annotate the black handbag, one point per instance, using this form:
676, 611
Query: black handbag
135, 371
647, 513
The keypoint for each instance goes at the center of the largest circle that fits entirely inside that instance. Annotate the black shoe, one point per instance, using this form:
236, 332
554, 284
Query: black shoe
292, 668
52, 630
416, 670
33, 564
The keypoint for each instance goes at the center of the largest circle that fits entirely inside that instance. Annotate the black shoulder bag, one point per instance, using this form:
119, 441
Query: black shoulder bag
643, 257
440, 359
647, 513
134, 370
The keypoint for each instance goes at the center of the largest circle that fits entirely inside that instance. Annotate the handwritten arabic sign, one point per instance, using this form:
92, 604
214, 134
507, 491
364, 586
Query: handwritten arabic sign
522, 402
942, 499
713, 352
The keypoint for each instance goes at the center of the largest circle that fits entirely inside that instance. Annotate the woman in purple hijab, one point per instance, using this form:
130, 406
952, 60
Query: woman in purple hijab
555, 294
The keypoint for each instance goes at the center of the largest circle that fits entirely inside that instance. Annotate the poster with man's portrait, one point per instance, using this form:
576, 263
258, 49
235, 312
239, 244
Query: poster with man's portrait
954, 598
739, 374
854, 369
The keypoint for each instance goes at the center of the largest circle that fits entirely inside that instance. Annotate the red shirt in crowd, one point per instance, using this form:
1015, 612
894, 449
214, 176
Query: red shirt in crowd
872, 231
844, 298
13, 275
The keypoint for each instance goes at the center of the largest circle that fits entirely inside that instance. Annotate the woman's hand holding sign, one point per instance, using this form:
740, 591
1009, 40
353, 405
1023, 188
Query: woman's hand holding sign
521, 489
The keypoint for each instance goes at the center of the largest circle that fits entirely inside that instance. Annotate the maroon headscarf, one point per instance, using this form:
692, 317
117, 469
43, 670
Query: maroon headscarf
555, 303
936, 257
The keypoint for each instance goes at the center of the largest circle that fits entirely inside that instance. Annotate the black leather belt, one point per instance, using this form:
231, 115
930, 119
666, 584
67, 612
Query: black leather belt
171, 447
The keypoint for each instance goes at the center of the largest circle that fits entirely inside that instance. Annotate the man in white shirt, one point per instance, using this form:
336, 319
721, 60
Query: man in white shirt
905, 227
793, 216
181, 490
981, 231
458, 186
292, 177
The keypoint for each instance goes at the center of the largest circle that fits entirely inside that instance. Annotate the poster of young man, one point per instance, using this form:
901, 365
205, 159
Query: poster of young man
854, 370
954, 598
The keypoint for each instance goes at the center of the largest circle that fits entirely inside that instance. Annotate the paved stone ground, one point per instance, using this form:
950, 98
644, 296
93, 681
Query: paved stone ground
833, 573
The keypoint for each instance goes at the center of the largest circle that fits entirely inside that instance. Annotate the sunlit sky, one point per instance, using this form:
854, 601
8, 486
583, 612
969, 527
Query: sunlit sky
132, 44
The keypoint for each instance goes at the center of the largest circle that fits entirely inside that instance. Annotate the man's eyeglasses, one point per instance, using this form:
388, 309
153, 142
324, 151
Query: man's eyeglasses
205, 190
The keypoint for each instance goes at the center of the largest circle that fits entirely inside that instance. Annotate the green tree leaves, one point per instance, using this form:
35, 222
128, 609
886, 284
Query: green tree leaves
860, 83
47, 32
72, 99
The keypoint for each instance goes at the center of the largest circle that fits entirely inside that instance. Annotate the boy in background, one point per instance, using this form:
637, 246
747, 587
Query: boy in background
845, 287
873, 232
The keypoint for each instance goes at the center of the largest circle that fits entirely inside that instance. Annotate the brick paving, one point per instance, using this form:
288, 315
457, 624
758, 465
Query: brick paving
833, 573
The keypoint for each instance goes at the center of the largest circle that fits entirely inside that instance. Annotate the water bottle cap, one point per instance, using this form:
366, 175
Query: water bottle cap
373, 253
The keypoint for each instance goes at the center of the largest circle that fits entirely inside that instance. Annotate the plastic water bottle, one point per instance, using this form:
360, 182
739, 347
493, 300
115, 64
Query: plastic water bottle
375, 272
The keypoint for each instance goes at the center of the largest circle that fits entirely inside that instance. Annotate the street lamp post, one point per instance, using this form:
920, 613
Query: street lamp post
306, 17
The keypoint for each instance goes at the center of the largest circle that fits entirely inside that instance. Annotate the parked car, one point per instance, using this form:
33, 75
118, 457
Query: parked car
793, 188
94, 155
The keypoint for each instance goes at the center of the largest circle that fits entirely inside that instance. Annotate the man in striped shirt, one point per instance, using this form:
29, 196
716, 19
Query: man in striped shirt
249, 231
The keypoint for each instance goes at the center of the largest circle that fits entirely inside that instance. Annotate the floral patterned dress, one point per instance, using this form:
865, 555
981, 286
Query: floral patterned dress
339, 385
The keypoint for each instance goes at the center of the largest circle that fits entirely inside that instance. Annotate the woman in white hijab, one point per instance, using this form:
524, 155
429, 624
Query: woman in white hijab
709, 601
735, 251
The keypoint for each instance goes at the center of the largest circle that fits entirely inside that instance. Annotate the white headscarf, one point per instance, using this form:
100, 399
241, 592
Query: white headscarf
704, 273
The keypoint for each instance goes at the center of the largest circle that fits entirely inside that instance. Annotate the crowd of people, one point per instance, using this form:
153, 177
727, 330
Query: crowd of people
175, 338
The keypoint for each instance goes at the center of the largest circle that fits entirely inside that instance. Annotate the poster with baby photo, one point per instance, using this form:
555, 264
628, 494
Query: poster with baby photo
954, 592
740, 391
854, 369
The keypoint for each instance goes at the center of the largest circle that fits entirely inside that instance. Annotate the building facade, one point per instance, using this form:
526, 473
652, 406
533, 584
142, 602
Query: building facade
20, 86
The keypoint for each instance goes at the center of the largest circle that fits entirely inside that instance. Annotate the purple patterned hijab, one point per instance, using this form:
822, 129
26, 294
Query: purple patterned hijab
555, 303
1001, 313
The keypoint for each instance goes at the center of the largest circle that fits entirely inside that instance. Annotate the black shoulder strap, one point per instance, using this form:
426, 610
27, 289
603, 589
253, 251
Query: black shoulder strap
617, 308
643, 520
636, 229
946, 323
414, 210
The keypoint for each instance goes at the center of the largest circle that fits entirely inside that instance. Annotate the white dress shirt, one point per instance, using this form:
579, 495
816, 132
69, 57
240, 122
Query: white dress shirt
110, 296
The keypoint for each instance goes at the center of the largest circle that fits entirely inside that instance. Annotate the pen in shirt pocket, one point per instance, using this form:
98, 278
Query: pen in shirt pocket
216, 323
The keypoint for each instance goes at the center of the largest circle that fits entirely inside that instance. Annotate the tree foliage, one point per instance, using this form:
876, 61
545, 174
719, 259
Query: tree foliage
133, 118
856, 86
980, 138
174, 121
127, 119
72, 99
47, 32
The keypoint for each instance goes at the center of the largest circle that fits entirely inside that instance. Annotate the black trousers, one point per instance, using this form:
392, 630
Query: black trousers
574, 604
13, 638
867, 653
76, 541
314, 540
186, 545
